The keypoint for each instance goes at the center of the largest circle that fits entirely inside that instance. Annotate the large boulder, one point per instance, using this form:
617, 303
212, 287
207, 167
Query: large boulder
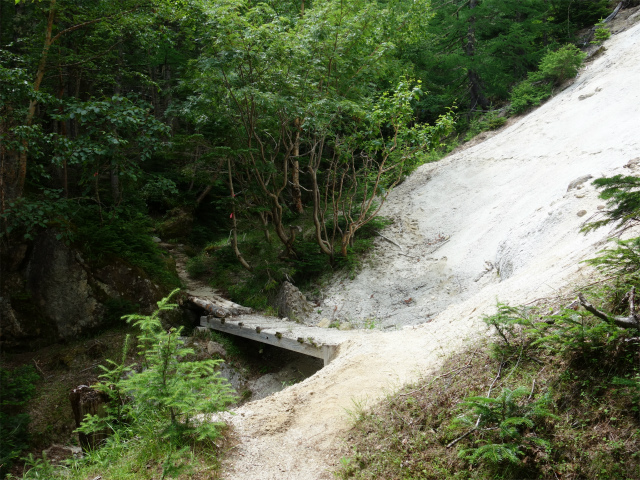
290, 302
50, 293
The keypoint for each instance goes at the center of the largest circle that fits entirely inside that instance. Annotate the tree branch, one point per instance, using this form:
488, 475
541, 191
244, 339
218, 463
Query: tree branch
623, 322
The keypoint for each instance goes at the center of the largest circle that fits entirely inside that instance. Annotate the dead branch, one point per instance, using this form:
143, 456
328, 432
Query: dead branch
631, 321
390, 241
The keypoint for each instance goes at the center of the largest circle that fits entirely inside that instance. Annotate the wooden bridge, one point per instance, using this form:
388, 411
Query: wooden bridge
237, 320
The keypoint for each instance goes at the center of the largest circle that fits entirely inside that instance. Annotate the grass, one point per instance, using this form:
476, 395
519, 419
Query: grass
592, 429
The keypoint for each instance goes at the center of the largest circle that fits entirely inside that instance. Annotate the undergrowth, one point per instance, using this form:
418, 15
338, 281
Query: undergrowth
155, 420
218, 264
546, 400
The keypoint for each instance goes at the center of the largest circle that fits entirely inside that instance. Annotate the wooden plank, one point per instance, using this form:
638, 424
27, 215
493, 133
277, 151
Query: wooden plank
271, 336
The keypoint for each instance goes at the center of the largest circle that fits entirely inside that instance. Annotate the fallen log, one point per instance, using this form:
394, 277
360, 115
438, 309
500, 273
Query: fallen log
217, 308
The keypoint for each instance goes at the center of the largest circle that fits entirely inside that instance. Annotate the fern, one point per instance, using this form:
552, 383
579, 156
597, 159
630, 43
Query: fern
503, 426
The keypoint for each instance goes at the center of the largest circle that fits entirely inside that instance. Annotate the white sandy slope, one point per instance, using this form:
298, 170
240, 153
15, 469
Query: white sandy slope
503, 201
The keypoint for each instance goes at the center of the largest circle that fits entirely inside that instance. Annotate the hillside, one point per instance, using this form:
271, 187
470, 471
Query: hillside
499, 220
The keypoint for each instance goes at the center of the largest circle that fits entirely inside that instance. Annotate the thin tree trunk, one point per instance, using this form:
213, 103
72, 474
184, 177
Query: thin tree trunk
295, 170
22, 161
265, 226
234, 223
115, 182
475, 83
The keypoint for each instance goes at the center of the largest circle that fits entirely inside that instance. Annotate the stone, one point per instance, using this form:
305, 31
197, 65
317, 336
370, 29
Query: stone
324, 323
57, 454
177, 224
601, 207
55, 294
578, 181
214, 348
290, 302
582, 213
633, 163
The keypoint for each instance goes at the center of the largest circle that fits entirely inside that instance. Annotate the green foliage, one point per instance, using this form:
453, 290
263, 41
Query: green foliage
623, 260
158, 409
622, 194
168, 393
491, 120
562, 64
513, 325
125, 233
601, 34
37, 468
528, 94
17, 386
554, 68
116, 135
504, 427
26, 217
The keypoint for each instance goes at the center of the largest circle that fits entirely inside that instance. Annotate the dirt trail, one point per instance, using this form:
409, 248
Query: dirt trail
511, 225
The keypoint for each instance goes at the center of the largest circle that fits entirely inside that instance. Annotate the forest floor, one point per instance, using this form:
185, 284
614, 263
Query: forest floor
499, 220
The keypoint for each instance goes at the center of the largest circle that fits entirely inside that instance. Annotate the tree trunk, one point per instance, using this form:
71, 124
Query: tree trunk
475, 83
115, 182
22, 161
236, 250
84, 401
295, 171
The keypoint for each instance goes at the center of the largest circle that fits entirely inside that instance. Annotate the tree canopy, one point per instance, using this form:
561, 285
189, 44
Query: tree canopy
295, 118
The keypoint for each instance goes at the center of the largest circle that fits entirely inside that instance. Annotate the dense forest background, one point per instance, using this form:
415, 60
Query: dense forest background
269, 132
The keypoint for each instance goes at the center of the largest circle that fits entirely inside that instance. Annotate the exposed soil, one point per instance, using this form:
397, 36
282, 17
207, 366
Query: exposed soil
497, 221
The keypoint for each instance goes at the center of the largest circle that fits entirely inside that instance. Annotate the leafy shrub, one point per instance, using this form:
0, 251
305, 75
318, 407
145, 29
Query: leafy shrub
27, 216
17, 386
491, 120
562, 64
554, 68
122, 233
622, 194
529, 93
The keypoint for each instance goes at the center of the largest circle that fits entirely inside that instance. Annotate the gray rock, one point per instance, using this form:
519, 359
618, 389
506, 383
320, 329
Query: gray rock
324, 323
235, 377
216, 348
579, 181
582, 213
55, 294
290, 302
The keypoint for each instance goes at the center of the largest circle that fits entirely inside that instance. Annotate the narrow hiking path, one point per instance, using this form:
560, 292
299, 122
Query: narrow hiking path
192, 286
510, 210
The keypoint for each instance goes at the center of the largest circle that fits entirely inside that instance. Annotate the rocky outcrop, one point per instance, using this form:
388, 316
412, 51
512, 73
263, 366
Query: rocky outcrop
290, 302
50, 293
